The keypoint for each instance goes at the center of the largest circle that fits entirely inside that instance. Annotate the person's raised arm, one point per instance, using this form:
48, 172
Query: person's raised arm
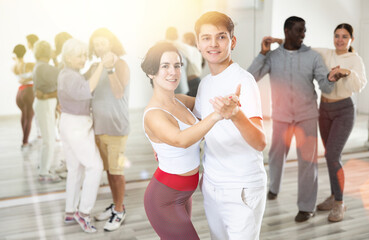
355, 77
159, 125
261, 64
118, 73
251, 129
95, 76
325, 78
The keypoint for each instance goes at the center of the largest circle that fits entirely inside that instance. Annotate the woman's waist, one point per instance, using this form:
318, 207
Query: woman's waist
45, 95
330, 100
178, 182
24, 86
181, 167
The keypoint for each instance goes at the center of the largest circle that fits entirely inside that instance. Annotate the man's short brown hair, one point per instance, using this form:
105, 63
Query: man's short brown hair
216, 19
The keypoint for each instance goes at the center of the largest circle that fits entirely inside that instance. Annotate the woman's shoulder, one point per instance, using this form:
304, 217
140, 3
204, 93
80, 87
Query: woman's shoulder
69, 74
154, 114
121, 63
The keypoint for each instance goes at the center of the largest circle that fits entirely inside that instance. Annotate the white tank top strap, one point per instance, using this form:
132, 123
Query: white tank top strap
179, 121
154, 108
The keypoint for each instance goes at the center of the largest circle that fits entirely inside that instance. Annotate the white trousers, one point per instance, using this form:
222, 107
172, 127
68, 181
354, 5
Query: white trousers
45, 117
83, 160
233, 213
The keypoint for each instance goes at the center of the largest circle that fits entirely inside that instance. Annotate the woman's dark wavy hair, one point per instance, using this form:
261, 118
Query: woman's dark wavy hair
349, 29
116, 46
151, 63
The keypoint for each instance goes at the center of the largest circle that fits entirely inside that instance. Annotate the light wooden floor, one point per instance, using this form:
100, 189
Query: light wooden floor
19, 168
30, 210
43, 220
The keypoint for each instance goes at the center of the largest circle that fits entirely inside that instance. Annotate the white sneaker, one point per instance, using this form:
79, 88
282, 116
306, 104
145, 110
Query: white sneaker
106, 214
49, 178
69, 219
61, 168
85, 223
115, 221
63, 175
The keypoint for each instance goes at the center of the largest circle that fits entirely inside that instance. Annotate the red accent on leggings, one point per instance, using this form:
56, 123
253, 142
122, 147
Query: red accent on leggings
21, 87
177, 182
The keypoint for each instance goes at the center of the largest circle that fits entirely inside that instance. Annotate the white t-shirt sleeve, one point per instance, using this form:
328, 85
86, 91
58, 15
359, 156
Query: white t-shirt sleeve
250, 97
197, 108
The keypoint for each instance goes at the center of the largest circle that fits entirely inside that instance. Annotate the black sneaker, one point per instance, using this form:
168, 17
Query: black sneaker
303, 216
272, 196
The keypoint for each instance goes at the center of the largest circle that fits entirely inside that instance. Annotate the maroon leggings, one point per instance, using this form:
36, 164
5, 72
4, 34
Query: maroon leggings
169, 211
24, 101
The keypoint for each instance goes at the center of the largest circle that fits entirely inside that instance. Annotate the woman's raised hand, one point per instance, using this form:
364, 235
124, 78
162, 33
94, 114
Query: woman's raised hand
227, 106
109, 59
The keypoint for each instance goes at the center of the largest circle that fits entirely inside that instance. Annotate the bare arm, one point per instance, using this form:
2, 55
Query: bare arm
251, 130
120, 77
95, 77
163, 127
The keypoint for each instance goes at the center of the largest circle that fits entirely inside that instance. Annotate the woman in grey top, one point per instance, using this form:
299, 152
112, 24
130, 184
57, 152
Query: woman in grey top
77, 134
111, 125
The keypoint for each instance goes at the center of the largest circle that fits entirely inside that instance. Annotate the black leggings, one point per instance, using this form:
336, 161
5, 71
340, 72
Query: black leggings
169, 211
24, 101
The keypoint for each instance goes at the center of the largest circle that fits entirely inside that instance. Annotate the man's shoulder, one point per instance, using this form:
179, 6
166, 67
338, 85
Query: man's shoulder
242, 74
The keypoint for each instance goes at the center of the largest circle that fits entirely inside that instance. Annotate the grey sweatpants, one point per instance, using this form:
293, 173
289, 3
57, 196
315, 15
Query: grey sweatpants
305, 133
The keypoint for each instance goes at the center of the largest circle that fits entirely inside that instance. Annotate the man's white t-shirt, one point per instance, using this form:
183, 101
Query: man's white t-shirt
229, 161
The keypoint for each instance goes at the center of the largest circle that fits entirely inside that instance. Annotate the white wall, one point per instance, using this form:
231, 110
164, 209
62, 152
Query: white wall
138, 24
321, 18
363, 97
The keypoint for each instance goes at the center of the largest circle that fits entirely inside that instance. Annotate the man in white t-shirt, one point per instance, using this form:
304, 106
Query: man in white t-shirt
234, 179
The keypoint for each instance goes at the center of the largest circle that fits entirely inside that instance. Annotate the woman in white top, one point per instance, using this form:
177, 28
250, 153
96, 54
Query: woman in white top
337, 113
175, 135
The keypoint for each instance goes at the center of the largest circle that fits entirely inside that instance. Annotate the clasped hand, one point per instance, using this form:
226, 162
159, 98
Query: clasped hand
337, 73
228, 106
109, 59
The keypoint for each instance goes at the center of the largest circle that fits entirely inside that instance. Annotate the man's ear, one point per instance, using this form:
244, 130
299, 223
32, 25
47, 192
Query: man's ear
233, 43
150, 76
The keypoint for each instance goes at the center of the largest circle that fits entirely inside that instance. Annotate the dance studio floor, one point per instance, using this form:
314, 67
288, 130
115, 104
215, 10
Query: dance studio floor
30, 210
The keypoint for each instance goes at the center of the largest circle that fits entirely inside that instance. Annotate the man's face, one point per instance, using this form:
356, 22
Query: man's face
215, 43
295, 36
